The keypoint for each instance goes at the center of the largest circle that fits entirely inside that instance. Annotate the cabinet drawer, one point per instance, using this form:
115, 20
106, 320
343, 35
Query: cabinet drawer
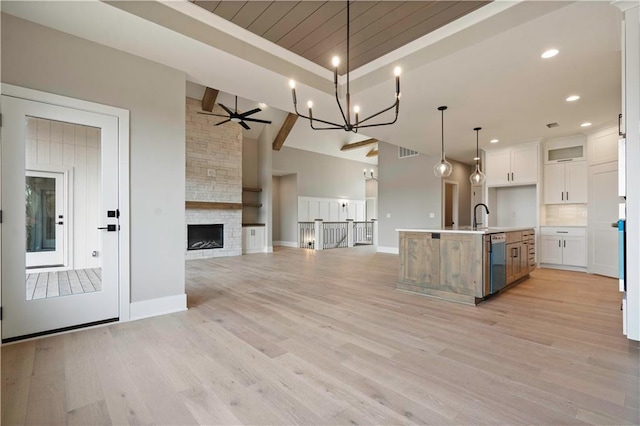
560, 231
514, 237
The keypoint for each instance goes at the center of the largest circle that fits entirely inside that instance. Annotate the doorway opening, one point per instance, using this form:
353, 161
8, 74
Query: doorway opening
449, 203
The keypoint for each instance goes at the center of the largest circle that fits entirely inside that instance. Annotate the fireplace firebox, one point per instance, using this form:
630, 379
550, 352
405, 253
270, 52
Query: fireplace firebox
204, 237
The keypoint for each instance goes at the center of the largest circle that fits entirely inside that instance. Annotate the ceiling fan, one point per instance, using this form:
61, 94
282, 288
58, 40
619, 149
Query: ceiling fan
237, 117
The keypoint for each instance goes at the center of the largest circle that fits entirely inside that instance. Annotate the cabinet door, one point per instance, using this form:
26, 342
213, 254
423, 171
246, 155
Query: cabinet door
513, 262
554, 192
574, 251
498, 167
524, 164
245, 239
551, 249
524, 259
259, 239
576, 182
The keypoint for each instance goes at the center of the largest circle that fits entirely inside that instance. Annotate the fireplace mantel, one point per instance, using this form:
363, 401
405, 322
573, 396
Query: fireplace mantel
211, 205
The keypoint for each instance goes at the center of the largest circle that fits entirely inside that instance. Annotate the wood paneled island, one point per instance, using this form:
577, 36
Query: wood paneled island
454, 264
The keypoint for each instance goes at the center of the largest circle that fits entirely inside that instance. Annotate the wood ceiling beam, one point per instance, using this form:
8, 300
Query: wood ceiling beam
278, 142
355, 145
372, 153
209, 99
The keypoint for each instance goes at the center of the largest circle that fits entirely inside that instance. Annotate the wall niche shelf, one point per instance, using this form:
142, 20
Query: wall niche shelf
255, 202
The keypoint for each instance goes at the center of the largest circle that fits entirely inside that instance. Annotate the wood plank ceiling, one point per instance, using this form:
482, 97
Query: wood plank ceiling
316, 30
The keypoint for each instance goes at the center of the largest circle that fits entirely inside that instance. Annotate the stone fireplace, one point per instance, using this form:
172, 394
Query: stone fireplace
213, 180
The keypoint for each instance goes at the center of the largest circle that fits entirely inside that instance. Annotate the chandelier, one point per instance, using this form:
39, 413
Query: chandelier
347, 124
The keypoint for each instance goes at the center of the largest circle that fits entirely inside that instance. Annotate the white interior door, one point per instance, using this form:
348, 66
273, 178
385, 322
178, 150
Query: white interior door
45, 219
602, 213
86, 145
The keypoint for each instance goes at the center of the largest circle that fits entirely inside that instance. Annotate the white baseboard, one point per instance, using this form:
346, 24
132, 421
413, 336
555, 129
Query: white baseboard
292, 244
253, 251
390, 250
563, 267
269, 249
159, 306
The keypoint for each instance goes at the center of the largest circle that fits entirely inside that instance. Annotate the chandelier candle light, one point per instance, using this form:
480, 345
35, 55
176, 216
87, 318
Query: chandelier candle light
444, 168
348, 125
477, 177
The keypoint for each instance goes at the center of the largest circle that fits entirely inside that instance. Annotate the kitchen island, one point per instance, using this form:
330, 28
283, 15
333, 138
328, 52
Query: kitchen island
456, 264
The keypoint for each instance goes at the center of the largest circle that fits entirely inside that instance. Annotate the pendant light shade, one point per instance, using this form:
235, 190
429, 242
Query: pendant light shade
443, 168
477, 177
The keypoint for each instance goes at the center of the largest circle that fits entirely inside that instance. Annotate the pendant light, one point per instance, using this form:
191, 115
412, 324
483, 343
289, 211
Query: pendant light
477, 177
444, 168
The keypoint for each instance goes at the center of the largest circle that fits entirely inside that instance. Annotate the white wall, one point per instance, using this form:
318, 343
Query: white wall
513, 206
39, 58
288, 209
407, 192
275, 197
322, 175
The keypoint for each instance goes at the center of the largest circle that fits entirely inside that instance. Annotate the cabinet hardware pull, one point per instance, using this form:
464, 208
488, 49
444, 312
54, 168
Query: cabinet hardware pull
511, 176
567, 195
559, 243
507, 176
565, 243
562, 195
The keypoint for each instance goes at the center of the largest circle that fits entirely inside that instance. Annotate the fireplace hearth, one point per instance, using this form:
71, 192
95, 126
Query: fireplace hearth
205, 237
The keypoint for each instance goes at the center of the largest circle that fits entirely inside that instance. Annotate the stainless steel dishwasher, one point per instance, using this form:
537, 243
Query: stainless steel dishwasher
497, 262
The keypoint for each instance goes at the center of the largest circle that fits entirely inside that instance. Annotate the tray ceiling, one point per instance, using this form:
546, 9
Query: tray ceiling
316, 30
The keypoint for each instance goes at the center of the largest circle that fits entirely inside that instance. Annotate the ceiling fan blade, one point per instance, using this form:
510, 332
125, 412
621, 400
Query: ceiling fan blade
210, 113
257, 120
243, 124
222, 122
253, 111
226, 109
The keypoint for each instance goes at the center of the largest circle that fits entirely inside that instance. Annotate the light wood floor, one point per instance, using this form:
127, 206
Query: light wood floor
43, 285
304, 337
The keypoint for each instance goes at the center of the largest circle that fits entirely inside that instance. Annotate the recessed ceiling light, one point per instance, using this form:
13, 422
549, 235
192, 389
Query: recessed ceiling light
494, 141
587, 124
549, 53
572, 98
262, 105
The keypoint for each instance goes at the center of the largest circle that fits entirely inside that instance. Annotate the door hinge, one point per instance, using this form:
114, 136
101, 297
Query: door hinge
0, 120
0, 313
0, 216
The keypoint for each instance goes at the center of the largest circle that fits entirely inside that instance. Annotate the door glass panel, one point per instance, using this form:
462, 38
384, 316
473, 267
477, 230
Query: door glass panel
62, 205
40, 195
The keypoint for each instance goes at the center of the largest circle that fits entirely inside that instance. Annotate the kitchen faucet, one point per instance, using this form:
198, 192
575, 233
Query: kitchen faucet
475, 208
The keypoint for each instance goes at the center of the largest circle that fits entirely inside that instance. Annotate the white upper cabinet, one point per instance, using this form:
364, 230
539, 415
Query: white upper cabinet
512, 166
565, 171
565, 183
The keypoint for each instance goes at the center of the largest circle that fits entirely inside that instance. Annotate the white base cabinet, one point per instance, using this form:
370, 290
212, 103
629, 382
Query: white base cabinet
253, 239
563, 247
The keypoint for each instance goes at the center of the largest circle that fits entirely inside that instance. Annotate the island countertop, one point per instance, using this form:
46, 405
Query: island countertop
469, 230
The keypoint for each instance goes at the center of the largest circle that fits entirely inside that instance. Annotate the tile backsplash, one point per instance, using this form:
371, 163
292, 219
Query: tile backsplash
565, 215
